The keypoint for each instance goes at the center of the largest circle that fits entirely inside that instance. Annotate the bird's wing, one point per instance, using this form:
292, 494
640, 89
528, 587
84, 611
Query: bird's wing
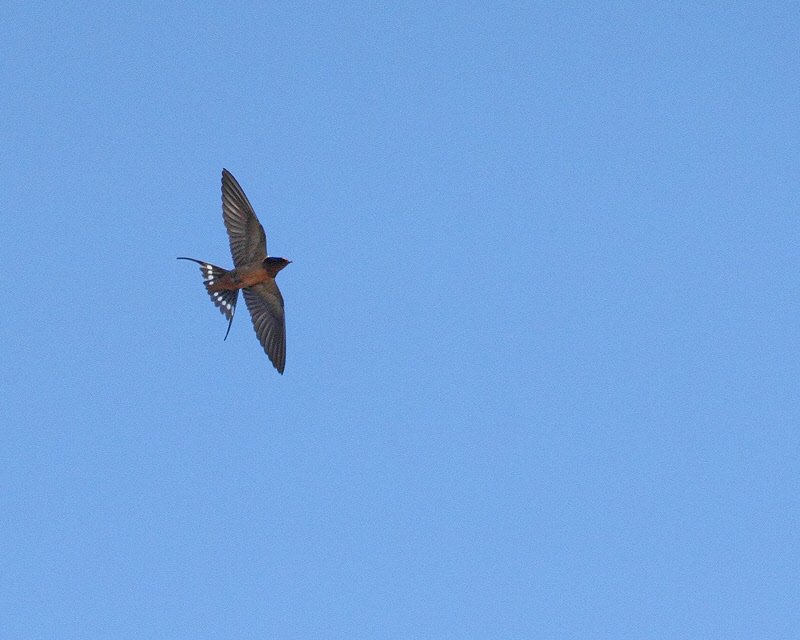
246, 235
265, 303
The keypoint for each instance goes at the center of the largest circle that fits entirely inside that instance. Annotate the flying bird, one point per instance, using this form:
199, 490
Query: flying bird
254, 273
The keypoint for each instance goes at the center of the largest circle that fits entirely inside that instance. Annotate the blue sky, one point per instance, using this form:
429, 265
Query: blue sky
542, 338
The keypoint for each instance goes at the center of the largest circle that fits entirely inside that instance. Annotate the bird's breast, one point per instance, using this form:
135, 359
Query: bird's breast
240, 278
249, 275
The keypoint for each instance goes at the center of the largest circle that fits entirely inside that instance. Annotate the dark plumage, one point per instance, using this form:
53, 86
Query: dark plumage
254, 273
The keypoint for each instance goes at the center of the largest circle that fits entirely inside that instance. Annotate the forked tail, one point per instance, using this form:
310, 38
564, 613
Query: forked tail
225, 299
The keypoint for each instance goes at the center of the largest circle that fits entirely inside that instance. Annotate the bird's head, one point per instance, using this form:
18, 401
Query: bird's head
273, 265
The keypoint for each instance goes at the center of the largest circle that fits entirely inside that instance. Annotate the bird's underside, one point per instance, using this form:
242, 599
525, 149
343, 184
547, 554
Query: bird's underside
253, 273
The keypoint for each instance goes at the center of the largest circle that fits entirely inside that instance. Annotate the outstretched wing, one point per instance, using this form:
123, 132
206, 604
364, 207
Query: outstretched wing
265, 303
246, 235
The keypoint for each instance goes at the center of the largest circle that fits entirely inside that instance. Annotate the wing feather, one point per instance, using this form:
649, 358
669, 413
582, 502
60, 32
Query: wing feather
265, 303
247, 239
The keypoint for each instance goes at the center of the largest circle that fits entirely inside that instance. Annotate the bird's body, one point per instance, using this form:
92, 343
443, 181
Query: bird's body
246, 276
254, 273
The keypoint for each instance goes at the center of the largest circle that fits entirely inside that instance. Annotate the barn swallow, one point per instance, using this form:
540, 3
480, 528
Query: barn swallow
254, 273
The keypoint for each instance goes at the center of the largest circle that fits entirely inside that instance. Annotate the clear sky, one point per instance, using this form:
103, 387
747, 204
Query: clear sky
542, 321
